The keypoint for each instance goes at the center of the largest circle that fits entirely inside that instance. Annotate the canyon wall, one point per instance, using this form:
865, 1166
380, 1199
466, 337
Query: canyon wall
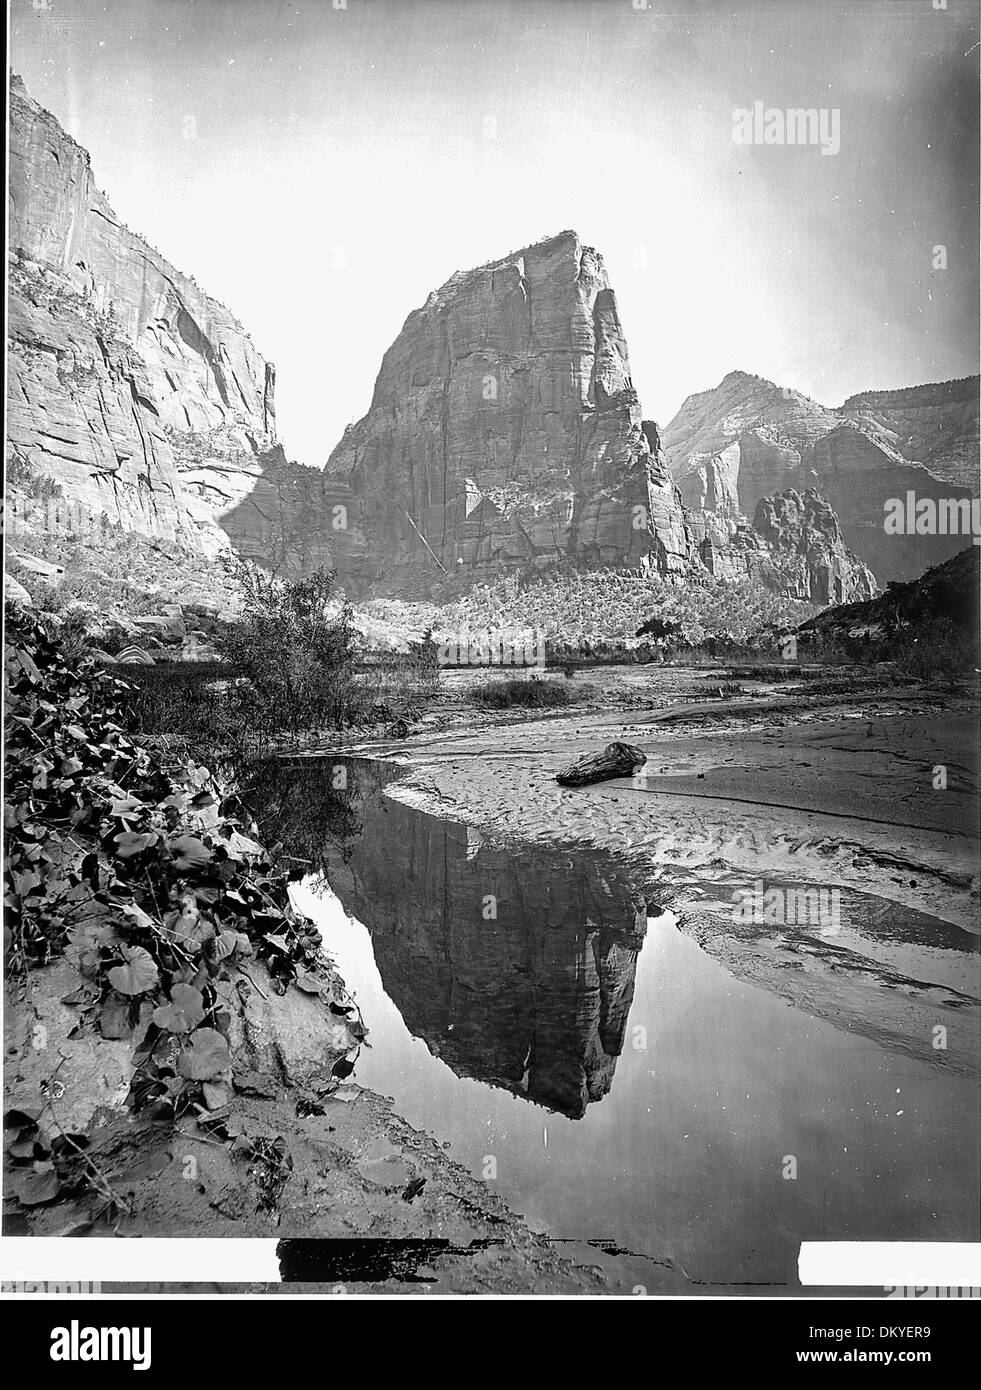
793, 546
748, 439
505, 429
937, 425
133, 396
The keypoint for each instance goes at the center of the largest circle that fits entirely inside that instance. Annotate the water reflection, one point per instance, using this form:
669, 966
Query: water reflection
669, 1081
516, 970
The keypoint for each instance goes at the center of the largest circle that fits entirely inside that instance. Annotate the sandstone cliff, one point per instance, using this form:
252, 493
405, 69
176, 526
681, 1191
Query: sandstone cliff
748, 438
505, 429
794, 546
937, 425
134, 396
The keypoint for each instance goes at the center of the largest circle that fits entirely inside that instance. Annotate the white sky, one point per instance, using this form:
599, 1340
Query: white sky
346, 162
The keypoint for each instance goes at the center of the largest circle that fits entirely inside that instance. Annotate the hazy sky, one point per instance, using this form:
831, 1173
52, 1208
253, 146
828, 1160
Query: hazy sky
321, 169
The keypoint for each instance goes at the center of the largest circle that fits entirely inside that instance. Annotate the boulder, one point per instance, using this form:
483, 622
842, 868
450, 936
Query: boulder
14, 592
166, 628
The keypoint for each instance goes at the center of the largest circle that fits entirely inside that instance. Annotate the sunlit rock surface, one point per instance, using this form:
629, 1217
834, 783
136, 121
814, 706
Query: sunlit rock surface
505, 429
748, 439
133, 395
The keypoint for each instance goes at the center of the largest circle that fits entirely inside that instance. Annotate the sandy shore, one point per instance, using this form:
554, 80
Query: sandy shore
826, 784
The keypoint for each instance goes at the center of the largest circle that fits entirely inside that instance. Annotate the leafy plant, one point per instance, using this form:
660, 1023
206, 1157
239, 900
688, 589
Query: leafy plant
147, 861
293, 661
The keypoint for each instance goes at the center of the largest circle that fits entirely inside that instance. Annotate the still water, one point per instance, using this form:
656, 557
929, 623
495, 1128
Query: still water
542, 1013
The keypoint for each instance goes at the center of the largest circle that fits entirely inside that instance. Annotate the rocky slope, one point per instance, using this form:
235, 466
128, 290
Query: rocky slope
937, 425
794, 546
947, 593
123, 372
748, 438
505, 428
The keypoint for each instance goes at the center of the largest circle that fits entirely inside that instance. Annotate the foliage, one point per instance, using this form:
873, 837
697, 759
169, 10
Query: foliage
312, 807
514, 691
938, 651
118, 572
293, 661
149, 868
185, 698
576, 608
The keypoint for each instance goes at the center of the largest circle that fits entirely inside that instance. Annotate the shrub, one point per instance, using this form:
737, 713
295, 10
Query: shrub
941, 651
405, 682
294, 664
527, 694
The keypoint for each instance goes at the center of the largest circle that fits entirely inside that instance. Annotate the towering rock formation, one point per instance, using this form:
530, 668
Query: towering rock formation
124, 373
505, 428
807, 550
748, 439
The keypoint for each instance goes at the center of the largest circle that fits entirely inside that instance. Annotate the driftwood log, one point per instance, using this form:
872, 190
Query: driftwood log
616, 760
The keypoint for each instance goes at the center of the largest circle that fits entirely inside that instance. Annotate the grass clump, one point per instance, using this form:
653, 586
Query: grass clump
514, 692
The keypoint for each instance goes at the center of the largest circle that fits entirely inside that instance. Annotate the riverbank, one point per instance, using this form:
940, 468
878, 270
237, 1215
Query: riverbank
862, 785
179, 1052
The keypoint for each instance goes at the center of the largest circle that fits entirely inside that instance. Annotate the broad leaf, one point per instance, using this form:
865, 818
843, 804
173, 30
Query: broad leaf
138, 975
206, 1058
184, 1011
189, 852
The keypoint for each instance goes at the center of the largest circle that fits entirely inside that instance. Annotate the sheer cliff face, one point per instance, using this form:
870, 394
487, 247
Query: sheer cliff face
794, 545
135, 393
937, 425
201, 368
748, 439
504, 428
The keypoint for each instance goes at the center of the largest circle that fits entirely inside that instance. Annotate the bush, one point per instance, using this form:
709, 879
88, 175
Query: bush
527, 694
941, 651
405, 682
293, 663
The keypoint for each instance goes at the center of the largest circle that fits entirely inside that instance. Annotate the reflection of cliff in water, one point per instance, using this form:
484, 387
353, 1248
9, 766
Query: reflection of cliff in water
535, 998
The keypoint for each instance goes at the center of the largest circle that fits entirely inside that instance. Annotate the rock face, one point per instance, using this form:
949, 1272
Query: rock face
794, 546
504, 429
748, 439
807, 549
936, 425
122, 369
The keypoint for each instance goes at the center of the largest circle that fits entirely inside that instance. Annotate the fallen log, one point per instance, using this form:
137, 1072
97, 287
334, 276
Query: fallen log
616, 760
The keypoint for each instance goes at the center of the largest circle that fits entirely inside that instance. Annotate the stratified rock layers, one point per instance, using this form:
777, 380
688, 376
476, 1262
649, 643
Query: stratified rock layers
748, 439
794, 546
139, 397
505, 429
